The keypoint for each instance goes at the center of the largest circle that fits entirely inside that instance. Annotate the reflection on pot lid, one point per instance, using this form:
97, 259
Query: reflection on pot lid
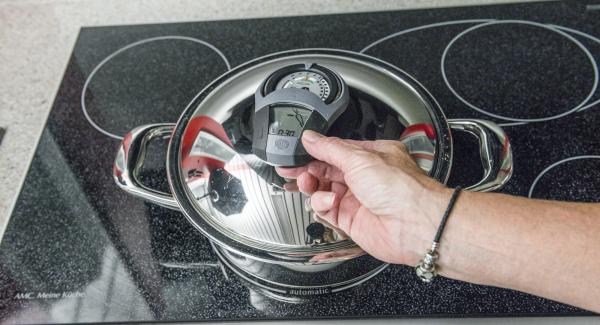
241, 196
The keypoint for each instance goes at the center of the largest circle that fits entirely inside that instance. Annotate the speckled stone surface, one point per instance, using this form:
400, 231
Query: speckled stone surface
79, 250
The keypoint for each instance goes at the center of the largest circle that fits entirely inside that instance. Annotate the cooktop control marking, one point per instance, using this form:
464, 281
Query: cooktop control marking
2, 132
592, 7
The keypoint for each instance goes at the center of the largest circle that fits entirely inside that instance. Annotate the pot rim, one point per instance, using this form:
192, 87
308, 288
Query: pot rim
281, 253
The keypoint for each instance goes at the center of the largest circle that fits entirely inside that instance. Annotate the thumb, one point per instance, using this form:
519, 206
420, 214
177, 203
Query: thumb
333, 151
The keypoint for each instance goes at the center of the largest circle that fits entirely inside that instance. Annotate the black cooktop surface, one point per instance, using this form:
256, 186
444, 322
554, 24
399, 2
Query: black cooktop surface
77, 249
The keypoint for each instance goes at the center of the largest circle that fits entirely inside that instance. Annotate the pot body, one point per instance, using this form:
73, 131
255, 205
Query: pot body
287, 260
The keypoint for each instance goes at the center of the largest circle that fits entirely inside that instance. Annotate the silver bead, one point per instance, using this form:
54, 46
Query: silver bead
426, 275
426, 268
430, 257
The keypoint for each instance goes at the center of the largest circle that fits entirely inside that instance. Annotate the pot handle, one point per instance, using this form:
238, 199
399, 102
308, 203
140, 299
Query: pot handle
130, 159
495, 151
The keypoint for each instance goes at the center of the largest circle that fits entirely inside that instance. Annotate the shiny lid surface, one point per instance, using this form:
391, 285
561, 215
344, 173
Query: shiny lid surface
240, 201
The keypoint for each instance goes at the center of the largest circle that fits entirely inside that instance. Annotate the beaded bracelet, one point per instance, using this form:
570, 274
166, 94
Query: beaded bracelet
426, 268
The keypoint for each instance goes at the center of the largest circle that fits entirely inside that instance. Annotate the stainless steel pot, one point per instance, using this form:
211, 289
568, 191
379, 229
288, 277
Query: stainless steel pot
262, 231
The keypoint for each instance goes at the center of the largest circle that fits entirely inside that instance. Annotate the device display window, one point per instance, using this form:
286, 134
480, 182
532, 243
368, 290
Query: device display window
288, 120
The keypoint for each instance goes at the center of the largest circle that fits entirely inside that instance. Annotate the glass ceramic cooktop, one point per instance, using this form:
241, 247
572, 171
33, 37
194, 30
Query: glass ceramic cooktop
77, 249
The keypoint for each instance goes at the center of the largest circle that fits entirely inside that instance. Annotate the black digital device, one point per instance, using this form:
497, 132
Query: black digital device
298, 97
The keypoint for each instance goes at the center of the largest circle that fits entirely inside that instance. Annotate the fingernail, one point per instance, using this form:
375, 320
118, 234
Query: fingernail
307, 205
311, 136
329, 198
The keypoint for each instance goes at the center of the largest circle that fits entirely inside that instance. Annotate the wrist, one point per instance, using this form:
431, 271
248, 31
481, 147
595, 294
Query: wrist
431, 201
459, 242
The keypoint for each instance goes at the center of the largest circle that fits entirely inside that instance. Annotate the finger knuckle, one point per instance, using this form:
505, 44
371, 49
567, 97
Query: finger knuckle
329, 172
400, 146
332, 141
373, 157
359, 157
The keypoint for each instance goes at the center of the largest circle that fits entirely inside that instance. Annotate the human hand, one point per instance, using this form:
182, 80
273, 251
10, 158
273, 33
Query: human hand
374, 192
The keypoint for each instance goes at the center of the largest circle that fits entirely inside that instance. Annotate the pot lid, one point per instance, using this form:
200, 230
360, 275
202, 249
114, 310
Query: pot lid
233, 195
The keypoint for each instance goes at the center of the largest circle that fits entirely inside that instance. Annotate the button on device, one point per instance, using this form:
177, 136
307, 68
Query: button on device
281, 144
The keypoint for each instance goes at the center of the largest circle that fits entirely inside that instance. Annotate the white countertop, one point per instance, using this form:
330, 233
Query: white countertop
36, 39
